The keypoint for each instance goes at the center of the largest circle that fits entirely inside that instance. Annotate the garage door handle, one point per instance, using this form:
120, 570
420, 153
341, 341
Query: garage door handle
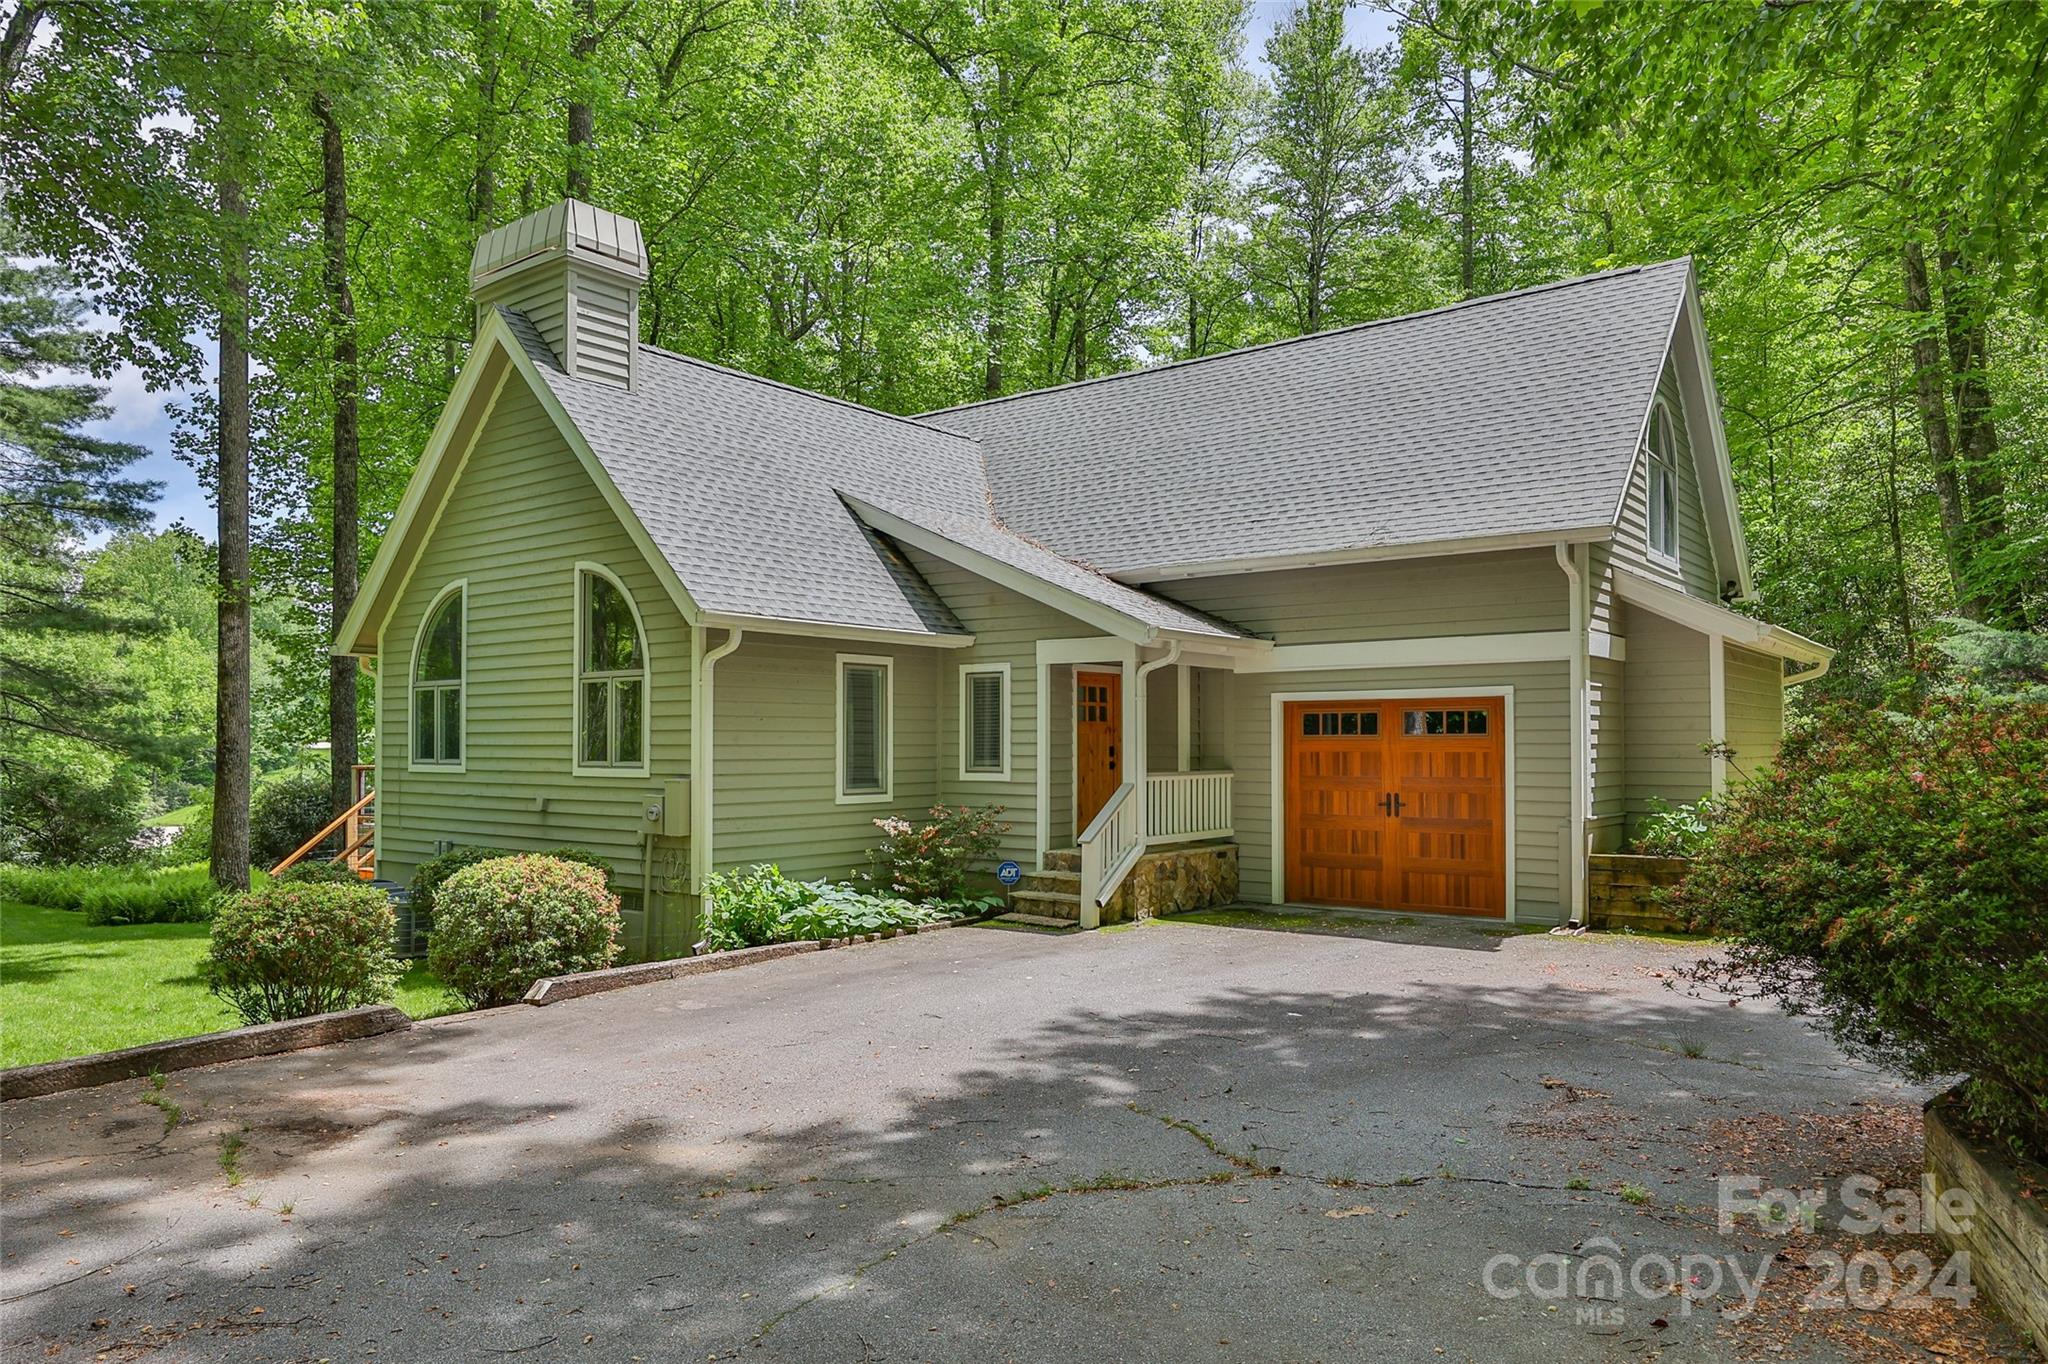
1390, 804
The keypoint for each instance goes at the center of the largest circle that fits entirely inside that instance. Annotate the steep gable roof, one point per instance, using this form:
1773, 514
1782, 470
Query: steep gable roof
1517, 415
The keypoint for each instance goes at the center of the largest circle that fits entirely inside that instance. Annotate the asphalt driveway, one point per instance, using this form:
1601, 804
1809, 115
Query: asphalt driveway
1178, 1142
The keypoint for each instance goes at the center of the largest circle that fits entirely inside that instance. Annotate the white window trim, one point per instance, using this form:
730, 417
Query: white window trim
577, 767
413, 762
1651, 467
1276, 771
1001, 773
840, 795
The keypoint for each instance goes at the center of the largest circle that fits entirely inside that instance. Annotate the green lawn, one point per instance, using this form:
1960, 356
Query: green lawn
68, 988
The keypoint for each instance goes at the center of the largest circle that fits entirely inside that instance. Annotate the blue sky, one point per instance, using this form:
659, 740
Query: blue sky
139, 416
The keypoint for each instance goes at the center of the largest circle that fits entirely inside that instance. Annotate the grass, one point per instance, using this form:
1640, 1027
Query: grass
69, 988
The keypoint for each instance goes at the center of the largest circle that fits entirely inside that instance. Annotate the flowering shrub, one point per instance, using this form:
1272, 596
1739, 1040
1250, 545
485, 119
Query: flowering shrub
503, 924
428, 876
288, 950
932, 860
761, 905
1891, 877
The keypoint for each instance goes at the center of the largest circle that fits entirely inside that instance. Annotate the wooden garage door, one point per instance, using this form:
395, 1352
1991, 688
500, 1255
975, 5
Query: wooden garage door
1397, 804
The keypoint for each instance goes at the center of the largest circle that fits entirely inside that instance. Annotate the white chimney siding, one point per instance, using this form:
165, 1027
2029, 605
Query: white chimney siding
575, 272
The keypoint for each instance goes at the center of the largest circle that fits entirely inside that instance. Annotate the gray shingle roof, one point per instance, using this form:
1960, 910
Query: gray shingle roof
1512, 415
740, 482
734, 479
981, 536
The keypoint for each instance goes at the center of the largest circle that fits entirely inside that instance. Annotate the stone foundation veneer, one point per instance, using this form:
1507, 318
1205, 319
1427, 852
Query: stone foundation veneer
1199, 876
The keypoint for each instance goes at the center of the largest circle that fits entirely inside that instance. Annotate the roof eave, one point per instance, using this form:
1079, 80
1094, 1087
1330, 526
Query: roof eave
1420, 549
826, 629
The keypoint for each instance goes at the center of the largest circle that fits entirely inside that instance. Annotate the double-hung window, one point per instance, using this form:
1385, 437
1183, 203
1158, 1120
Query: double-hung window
611, 677
438, 658
866, 705
985, 721
1663, 483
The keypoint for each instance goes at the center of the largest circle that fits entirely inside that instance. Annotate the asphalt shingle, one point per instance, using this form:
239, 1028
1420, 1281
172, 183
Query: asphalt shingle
1510, 415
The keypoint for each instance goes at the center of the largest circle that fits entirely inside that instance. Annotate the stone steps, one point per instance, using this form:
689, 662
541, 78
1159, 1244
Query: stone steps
1057, 882
1063, 859
1052, 904
1035, 920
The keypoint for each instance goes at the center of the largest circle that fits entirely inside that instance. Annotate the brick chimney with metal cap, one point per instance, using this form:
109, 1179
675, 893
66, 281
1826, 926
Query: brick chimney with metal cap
575, 271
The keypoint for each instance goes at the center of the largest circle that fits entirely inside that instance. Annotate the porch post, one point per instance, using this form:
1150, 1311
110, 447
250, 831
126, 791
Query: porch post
1042, 816
1183, 711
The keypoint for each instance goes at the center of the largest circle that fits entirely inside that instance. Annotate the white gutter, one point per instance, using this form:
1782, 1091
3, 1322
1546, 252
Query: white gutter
701, 741
1575, 909
1144, 755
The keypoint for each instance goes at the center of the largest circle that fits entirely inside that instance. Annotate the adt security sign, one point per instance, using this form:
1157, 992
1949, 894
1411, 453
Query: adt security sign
1009, 873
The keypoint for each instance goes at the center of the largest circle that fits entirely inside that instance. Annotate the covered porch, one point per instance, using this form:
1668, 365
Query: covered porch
1136, 767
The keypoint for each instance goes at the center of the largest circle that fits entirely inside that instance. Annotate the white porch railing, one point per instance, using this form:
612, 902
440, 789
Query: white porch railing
1110, 847
1183, 806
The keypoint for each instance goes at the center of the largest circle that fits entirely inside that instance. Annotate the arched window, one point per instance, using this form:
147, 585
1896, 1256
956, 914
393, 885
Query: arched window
1663, 482
438, 656
611, 675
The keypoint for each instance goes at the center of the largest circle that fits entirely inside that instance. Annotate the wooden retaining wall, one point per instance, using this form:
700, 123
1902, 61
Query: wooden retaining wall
2007, 1236
1624, 890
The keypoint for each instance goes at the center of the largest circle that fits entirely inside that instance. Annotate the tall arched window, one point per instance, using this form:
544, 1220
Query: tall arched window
438, 656
1663, 482
611, 676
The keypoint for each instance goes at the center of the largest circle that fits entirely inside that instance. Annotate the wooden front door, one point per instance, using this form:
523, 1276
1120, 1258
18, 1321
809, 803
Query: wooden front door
1398, 804
1098, 737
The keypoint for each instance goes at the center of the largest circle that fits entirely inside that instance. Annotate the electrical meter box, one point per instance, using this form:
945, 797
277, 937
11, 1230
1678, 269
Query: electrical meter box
674, 798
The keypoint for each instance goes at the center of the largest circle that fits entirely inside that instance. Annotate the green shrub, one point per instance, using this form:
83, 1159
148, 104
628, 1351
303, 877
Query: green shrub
933, 859
429, 875
288, 808
503, 924
289, 951
1889, 877
1676, 830
760, 905
319, 872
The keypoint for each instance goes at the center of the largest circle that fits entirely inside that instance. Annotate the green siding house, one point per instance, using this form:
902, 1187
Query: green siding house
1415, 614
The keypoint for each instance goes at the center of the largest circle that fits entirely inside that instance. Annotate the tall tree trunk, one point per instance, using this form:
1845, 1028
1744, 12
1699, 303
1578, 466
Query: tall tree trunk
346, 542
998, 226
1893, 522
15, 40
229, 849
483, 177
582, 121
1465, 264
1928, 373
1976, 444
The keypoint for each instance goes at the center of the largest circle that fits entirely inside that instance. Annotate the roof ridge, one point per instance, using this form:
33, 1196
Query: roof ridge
714, 366
1461, 304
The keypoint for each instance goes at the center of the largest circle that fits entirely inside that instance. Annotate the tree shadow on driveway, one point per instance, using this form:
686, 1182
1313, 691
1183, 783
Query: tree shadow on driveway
984, 1148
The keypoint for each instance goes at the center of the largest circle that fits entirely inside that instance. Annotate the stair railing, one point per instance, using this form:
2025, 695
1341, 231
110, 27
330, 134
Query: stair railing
348, 817
1110, 847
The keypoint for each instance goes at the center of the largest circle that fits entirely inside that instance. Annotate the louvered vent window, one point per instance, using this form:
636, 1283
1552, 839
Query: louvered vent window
864, 729
985, 721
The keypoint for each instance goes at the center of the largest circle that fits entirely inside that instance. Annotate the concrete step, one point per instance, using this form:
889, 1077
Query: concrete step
1063, 859
1035, 920
1052, 903
1057, 882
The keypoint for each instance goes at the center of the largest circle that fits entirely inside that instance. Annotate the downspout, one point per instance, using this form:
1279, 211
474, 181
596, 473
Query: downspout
1575, 908
1144, 764
701, 748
